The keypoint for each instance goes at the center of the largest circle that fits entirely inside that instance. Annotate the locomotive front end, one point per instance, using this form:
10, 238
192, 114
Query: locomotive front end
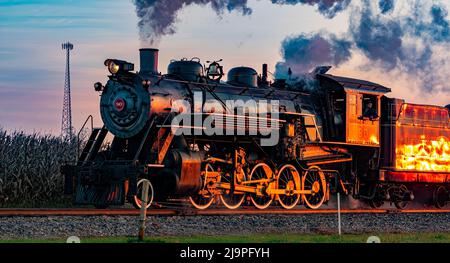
136, 108
125, 107
125, 100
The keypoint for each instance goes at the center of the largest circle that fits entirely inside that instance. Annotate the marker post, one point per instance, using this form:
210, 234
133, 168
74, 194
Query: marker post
339, 213
143, 214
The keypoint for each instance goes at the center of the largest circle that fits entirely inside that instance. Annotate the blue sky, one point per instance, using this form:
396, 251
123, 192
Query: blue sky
32, 62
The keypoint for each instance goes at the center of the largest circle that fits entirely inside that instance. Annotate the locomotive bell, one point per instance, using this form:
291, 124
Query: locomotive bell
213, 70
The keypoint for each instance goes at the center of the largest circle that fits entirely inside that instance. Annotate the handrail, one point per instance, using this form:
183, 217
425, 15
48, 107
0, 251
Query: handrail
150, 126
82, 128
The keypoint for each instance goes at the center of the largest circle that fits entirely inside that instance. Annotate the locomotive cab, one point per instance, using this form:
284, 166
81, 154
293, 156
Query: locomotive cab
363, 111
352, 109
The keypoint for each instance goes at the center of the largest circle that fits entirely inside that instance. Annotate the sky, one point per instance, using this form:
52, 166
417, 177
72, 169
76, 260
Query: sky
32, 62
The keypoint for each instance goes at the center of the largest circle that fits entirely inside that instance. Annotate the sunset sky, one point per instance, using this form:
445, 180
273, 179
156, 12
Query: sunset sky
32, 62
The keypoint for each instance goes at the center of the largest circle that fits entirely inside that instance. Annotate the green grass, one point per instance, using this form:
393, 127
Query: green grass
260, 238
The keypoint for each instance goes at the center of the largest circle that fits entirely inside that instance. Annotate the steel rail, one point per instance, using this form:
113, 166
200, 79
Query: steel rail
208, 212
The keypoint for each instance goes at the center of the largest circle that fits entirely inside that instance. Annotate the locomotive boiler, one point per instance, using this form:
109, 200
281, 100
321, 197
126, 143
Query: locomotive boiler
251, 140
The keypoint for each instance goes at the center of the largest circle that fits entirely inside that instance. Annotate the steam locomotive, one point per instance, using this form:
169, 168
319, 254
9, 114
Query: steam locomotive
257, 141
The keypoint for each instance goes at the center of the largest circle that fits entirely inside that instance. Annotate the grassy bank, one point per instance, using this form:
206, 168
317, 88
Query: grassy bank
268, 238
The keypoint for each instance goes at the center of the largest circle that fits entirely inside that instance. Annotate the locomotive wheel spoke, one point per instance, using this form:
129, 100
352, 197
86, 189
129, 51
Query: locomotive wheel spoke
137, 202
259, 172
311, 181
288, 178
204, 199
282, 180
231, 200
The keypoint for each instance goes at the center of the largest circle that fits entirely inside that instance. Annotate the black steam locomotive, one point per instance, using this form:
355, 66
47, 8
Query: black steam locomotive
248, 139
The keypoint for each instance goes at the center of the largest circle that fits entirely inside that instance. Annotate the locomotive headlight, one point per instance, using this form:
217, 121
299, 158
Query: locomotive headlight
114, 65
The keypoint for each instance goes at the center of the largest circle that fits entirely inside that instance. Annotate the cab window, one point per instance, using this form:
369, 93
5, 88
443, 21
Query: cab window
369, 107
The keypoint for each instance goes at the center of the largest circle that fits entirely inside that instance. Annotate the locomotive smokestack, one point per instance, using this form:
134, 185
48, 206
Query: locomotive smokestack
149, 60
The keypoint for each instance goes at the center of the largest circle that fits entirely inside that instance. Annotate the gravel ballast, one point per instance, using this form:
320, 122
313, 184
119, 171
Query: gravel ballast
103, 226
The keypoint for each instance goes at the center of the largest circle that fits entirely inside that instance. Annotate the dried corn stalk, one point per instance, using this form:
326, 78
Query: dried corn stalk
30, 168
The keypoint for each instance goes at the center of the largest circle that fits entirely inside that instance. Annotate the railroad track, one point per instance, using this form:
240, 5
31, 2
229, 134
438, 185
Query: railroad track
192, 212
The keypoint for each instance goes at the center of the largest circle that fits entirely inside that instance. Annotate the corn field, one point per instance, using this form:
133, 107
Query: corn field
30, 168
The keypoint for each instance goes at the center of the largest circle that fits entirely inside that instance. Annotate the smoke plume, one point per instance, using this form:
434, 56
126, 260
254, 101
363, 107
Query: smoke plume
386, 6
157, 17
412, 39
409, 43
437, 29
328, 8
412, 42
304, 52
379, 38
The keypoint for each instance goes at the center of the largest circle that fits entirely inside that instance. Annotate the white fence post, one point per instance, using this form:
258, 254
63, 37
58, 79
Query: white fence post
339, 213
144, 201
